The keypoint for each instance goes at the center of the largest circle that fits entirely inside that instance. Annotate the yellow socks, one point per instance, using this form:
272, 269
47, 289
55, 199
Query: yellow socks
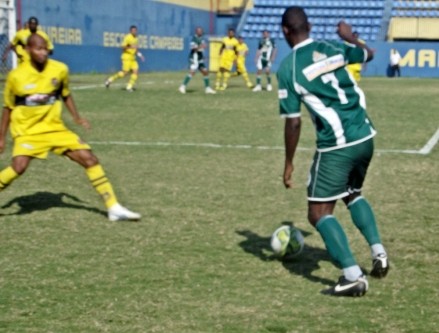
226, 78
118, 75
102, 185
219, 77
133, 79
7, 176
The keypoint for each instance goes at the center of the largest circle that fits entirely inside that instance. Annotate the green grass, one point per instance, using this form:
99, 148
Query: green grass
199, 260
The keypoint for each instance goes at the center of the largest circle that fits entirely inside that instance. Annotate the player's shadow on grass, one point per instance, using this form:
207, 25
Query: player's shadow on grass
304, 264
41, 201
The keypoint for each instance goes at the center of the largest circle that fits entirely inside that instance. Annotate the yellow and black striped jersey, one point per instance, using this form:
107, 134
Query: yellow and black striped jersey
34, 98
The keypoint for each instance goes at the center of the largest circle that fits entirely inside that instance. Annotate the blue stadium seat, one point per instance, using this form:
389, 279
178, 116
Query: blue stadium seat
342, 12
274, 20
313, 12
403, 4
256, 19
317, 20
251, 34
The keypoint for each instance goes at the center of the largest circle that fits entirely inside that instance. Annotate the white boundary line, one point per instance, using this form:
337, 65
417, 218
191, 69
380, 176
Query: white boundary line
102, 85
422, 151
430, 144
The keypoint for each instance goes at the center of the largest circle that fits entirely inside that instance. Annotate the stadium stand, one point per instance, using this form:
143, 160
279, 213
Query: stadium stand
374, 20
414, 20
364, 15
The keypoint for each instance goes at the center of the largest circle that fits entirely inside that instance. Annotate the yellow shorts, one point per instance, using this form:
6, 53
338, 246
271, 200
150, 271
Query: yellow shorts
226, 62
39, 145
240, 66
129, 65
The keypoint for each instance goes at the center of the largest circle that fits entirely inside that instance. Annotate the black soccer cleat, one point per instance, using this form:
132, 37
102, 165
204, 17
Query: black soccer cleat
345, 287
380, 266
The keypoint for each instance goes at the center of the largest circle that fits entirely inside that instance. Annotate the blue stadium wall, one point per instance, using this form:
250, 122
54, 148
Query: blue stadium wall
418, 59
87, 36
87, 33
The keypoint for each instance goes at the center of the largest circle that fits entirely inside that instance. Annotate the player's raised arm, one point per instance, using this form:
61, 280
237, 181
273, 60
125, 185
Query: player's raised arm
344, 30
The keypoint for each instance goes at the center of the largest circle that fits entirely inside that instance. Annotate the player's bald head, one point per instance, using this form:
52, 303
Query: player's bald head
35, 39
295, 20
37, 48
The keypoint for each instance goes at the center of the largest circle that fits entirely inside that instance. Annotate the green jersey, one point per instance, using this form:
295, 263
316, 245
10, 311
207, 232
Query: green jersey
196, 47
314, 73
266, 47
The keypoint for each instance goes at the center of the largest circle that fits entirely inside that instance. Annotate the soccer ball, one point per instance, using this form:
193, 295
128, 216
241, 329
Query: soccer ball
287, 241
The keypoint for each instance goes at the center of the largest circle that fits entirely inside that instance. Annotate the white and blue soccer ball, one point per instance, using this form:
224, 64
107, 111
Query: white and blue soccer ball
287, 241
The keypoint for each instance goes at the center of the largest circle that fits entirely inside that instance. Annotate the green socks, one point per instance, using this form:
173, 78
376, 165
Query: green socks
364, 219
336, 241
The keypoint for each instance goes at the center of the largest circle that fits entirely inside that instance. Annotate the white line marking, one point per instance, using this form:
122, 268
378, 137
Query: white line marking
102, 85
91, 86
430, 144
228, 146
423, 151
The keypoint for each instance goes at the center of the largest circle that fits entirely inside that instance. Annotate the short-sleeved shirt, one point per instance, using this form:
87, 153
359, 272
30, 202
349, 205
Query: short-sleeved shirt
128, 42
34, 98
266, 47
20, 41
196, 46
315, 73
229, 44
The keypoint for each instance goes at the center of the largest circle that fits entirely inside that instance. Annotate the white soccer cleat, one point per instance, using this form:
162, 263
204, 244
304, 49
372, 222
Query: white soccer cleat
269, 87
182, 89
257, 88
209, 90
120, 213
107, 83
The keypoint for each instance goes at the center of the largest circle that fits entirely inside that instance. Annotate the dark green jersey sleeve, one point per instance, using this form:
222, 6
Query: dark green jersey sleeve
354, 54
289, 99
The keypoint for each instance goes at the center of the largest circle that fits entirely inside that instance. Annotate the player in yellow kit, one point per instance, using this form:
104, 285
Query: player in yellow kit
18, 44
241, 69
227, 58
130, 49
355, 69
32, 111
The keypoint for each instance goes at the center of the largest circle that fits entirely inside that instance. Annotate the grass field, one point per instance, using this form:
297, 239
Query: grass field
205, 172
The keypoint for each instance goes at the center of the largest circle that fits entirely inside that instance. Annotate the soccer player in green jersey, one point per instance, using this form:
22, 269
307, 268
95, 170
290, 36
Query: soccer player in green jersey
315, 73
196, 62
264, 58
